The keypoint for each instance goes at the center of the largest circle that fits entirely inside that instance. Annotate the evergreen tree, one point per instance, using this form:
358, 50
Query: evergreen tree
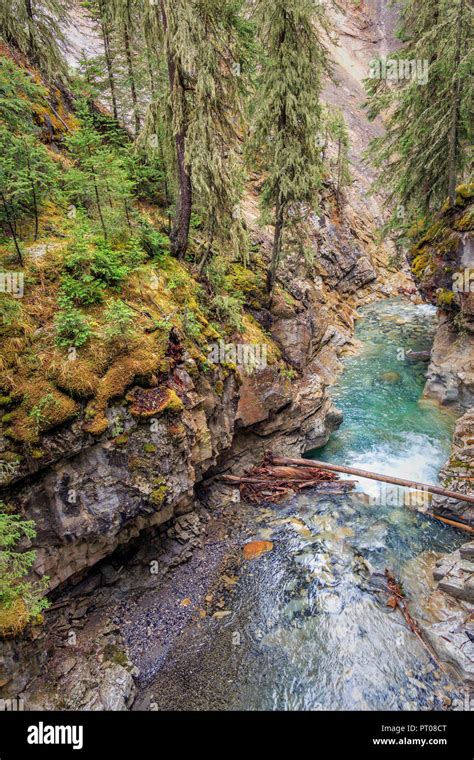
337, 130
35, 27
20, 599
125, 20
27, 172
423, 153
288, 112
204, 44
100, 178
212, 146
102, 12
177, 41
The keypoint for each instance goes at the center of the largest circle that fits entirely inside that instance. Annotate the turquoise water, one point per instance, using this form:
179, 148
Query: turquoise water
387, 428
307, 625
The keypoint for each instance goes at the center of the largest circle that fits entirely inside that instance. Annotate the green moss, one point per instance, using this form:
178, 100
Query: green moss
149, 448
158, 494
5, 400
164, 366
420, 263
248, 283
432, 232
465, 222
447, 245
7, 418
121, 440
464, 193
114, 654
43, 408
10, 456
36, 453
445, 297
457, 463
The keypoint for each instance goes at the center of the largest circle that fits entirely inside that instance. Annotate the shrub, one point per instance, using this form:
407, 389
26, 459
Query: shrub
91, 267
108, 265
155, 243
85, 290
229, 310
21, 600
191, 325
119, 318
72, 328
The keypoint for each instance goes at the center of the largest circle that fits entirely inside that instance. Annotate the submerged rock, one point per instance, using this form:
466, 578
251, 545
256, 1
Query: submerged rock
255, 549
392, 378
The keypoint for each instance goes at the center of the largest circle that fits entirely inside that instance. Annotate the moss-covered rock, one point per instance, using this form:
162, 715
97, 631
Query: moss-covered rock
159, 492
151, 402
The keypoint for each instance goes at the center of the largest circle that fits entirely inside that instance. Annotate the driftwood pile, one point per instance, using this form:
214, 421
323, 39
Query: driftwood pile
273, 482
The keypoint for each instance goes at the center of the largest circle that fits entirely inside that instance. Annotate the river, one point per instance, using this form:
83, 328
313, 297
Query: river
307, 625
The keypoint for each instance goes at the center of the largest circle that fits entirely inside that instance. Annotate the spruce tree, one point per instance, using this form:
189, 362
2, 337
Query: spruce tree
176, 37
27, 172
288, 111
424, 151
99, 182
124, 15
101, 12
337, 130
204, 45
36, 28
212, 146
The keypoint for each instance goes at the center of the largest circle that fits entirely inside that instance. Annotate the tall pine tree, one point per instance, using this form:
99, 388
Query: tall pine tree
423, 153
288, 113
204, 49
36, 28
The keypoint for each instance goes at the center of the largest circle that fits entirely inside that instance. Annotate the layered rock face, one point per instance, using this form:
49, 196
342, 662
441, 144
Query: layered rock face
442, 261
88, 494
452, 635
458, 471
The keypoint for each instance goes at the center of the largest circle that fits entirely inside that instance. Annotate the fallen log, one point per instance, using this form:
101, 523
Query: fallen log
372, 476
273, 483
454, 523
304, 481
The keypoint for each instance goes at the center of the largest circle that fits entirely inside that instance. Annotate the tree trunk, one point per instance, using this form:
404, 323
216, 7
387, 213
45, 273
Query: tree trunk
97, 198
208, 251
12, 228
131, 73
31, 23
453, 133
108, 57
33, 192
276, 251
297, 462
180, 231
151, 78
